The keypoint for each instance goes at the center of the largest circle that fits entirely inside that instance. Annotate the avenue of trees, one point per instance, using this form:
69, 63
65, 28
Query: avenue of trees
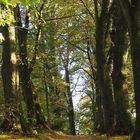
53, 51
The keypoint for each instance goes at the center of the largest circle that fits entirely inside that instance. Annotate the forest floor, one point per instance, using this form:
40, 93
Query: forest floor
47, 136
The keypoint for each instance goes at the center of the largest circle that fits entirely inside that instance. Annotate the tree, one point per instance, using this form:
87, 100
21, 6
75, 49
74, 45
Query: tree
120, 53
131, 12
69, 95
49, 49
10, 75
103, 67
34, 111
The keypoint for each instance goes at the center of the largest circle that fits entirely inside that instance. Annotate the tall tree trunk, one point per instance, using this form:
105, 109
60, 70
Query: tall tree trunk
46, 93
131, 12
135, 42
97, 110
34, 111
103, 69
70, 104
9, 71
24, 71
10, 76
120, 51
99, 118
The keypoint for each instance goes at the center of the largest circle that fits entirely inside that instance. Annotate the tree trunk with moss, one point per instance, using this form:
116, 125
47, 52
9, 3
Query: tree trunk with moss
131, 12
135, 43
99, 119
119, 75
10, 77
34, 112
103, 69
24, 70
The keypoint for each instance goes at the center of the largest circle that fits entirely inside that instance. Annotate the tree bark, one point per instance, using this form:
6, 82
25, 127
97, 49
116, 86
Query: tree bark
131, 12
135, 43
34, 111
97, 110
24, 71
10, 77
120, 52
7, 73
103, 69
70, 104
99, 118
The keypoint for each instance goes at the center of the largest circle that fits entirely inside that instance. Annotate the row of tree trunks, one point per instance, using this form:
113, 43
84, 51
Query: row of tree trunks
111, 92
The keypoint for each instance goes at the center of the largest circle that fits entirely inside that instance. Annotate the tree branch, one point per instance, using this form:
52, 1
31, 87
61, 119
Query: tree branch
33, 61
96, 9
87, 9
65, 17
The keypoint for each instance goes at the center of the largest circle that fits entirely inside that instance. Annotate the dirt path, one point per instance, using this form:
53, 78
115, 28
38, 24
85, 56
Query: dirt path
90, 137
46, 136
15, 137
68, 137
79, 138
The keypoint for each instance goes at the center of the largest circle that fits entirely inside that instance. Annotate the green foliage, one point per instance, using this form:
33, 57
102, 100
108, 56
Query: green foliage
6, 17
14, 2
